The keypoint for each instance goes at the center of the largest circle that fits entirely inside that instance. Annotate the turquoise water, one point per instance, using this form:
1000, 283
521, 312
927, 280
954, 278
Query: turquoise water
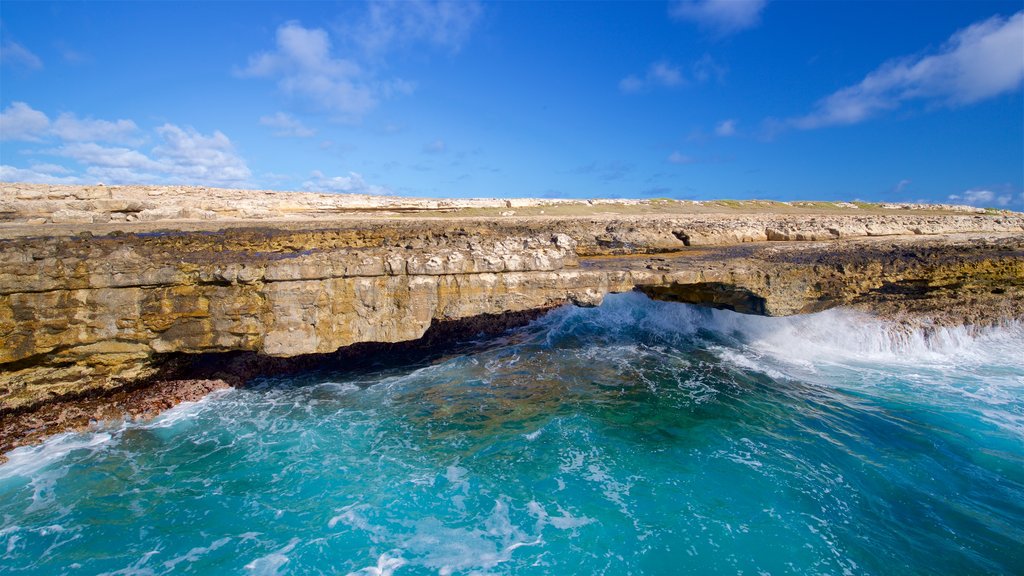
634, 438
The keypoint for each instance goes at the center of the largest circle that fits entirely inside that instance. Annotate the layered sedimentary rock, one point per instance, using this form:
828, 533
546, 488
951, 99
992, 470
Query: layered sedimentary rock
90, 308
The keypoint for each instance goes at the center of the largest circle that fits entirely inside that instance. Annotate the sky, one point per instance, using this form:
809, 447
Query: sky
694, 99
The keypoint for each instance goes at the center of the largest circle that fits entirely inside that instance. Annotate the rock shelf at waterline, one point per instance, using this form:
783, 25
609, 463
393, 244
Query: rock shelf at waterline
106, 289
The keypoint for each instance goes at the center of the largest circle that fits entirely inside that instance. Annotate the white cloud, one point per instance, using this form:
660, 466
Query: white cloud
726, 127
661, 73
72, 56
12, 53
388, 25
93, 154
901, 186
665, 74
39, 174
680, 158
981, 197
720, 16
345, 82
435, 147
351, 184
286, 125
631, 84
979, 62
19, 121
188, 156
706, 68
304, 68
69, 127
183, 156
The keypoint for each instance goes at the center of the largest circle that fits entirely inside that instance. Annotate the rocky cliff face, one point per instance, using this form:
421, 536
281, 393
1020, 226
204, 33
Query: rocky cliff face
84, 310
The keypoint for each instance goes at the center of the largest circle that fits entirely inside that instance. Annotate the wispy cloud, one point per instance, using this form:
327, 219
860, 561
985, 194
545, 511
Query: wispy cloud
14, 54
285, 125
726, 128
677, 157
979, 62
706, 68
98, 156
71, 55
40, 174
659, 74
665, 74
353, 183
901, 186
681, 159
67, 126
391, 25
605, 171
721, 17
982, 197
435, 147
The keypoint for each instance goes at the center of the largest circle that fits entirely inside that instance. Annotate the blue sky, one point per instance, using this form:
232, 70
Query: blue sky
883, 101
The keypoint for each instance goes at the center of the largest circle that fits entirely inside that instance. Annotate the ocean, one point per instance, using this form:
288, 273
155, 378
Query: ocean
638, 437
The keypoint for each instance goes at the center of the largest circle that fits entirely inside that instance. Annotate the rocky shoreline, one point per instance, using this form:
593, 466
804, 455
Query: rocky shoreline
103, 316
189, 378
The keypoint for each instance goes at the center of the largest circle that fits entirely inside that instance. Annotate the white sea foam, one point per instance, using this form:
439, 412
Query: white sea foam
138, 568
564, 521
386, 566
844, 335
196, 553
340, 387
450, 550
182, 412
838, 335
271, 564
751, 362
26, 461
630, 311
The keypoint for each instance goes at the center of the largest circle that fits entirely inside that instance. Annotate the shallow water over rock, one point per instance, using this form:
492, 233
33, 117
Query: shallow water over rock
635, 438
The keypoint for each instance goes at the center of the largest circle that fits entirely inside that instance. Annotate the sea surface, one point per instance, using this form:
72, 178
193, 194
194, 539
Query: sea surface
634, 438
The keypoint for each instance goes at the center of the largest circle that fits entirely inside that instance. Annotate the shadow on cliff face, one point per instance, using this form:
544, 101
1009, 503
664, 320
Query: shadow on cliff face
190, 377
445, 338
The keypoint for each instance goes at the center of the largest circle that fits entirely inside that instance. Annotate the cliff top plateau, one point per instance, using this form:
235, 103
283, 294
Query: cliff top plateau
102, 208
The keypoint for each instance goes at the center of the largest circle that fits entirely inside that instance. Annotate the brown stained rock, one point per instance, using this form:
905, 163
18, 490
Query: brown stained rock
30, 427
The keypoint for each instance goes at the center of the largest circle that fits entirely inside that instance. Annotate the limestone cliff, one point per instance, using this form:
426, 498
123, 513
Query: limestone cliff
87, 308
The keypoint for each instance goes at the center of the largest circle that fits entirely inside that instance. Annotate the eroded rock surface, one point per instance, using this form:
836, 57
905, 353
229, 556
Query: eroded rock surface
86, 308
